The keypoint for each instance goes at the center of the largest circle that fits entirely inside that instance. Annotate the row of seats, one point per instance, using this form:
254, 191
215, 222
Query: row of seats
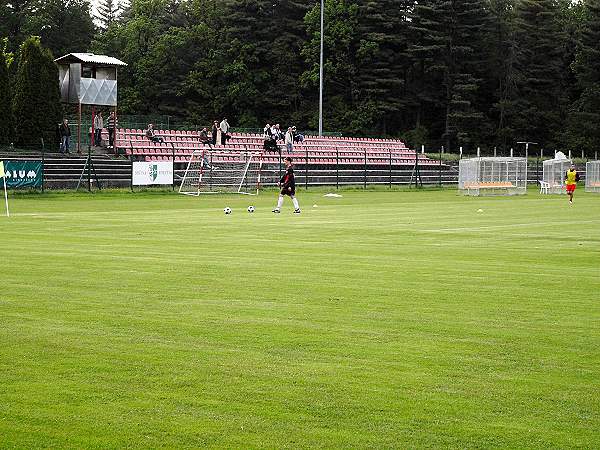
296, 154
272, 159
318, 150
151, 147
139, 132
255, 144
183, 136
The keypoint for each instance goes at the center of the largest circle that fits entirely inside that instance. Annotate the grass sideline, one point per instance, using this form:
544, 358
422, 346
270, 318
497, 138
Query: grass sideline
379, 319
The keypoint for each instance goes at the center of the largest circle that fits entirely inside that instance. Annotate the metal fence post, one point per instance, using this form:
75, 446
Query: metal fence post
43, 165
440, 167
306, 172
390, 166
131, 164
337, 167
365, 174
280, 164
89, 168
173, 183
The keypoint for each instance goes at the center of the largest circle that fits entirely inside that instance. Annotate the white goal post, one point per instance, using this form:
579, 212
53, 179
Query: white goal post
492, 176
553, 178
592, 176
212, 171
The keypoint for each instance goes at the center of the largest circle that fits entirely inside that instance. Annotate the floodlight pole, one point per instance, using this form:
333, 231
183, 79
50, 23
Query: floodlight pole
527, 143
321, 70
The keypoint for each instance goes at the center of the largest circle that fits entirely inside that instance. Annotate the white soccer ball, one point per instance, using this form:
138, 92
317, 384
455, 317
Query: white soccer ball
250, 209
227, 210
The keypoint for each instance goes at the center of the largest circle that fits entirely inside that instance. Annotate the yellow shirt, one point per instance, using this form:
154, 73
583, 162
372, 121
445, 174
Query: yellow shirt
571, 177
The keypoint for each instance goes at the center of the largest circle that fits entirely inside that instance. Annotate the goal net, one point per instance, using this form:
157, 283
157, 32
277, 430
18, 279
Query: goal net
493, 176
592, 176
210, 171
553, 179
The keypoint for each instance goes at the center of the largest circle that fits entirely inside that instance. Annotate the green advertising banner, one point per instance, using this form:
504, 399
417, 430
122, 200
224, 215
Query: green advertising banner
23, 174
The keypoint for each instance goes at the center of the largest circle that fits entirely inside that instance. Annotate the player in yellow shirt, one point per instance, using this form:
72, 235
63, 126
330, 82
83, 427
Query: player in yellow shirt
571, 179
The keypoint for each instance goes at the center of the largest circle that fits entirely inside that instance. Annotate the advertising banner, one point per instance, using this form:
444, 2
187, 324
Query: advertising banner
153, 172
23, 174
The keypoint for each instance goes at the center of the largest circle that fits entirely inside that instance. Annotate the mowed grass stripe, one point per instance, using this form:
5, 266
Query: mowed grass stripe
154, 320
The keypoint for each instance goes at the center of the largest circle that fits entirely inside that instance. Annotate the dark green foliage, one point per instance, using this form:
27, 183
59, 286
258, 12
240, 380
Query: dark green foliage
382, 60
15, 20
107, 13
441, 72
64, 25
539, 108
260, 67
448, 52
6, 120
583, 127
36, 102
500, 79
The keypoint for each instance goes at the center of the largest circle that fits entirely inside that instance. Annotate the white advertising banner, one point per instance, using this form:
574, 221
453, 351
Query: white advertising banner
154, 172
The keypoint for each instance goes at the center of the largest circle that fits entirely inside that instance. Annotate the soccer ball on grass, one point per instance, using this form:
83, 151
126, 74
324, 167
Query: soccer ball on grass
250, 209
227, 210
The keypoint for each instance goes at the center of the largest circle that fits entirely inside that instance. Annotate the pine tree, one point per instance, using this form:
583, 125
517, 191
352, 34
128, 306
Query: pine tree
539, 77
6, 122
65, 26
447, 53
6, 116
383, 28
260, 46
501, 87
584, 116
36, 101
342, 105
107, 12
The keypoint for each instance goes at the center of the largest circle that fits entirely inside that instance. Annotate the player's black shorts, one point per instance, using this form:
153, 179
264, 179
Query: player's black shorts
285, 191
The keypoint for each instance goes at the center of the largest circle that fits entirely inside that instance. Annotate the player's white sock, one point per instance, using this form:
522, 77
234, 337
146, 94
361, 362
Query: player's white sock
280, 202
295, 201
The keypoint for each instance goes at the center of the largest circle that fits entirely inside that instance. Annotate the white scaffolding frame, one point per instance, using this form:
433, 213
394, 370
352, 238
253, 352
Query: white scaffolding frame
492, 176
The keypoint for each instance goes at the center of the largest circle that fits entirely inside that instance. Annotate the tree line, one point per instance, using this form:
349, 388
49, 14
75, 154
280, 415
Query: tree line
437, 72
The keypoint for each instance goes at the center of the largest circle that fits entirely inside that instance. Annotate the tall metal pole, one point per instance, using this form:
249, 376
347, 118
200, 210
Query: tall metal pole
527, 146
321, 70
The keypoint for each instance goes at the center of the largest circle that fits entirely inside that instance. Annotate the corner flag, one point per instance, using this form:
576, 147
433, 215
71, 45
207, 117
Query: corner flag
3, 176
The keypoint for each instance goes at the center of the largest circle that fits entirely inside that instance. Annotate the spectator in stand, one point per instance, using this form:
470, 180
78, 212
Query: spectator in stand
214, 132
204, 138
98, 127
289, 140
112, 126
65, 136
270, 142
151, 135
224, 126
297, 136
276, 132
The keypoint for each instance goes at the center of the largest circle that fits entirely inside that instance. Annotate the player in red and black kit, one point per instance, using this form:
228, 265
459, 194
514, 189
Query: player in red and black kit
288, 187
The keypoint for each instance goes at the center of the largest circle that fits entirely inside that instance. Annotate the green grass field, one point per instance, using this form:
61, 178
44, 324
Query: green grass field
378, 320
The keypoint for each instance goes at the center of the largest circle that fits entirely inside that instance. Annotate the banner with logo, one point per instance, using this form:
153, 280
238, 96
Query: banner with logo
153, 172
23, 174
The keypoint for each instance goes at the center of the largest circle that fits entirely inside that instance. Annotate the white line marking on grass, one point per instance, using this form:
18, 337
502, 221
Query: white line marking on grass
512, 225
